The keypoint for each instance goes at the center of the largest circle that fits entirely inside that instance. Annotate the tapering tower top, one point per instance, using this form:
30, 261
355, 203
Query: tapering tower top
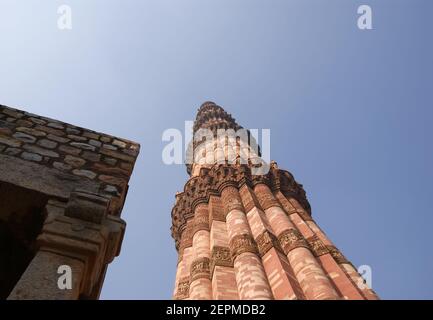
210, 120
213, 117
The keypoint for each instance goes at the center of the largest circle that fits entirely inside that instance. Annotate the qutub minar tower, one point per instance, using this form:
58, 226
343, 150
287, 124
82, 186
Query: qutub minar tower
241, 235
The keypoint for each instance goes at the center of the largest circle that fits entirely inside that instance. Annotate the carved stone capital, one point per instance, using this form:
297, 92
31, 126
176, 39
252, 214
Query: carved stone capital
265, 196
200, 268
86, 242
221, 256
87, 206
242, 243
95, 244
259, 179
317, 246
291, 239
182, 289
337, 255
266, 241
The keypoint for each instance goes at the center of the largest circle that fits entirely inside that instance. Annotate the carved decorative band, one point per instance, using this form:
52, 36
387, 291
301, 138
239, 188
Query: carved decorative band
257, 180
242, 243
317, 246
214, 180
337, 255
201, 223
221, 256
266, 241
200, 268
265, 197
182, 289
291, 239
231, 199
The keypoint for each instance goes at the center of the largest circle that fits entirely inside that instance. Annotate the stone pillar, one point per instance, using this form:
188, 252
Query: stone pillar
250, 275
223, 274
201, 287
339, 278
278, 270
182, 283
310, 275
39, 281
78, 235
337, 256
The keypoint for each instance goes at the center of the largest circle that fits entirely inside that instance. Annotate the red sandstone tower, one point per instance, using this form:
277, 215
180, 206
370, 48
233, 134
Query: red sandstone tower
242, 235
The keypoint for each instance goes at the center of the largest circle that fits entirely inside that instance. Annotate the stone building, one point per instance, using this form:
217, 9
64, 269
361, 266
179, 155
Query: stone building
241, 235
62, 189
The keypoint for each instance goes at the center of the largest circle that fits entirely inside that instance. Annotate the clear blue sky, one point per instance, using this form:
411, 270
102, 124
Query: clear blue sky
350, 112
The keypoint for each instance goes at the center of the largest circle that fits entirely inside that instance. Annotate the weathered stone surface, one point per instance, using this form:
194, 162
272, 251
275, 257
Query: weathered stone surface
131, 151
110, 161
84, 146
84, 173
77, 138
112, 190
11, 142
91, 156
32, 132
13, 113
105, 139
47, 143
6, 125
40, 178
56, 125
101, 168
5, 131
39, 282
31, 156
53, 131
62, 166
87, 207
95, 143
117, 155
112, 180
70, 130
109, 146
91, 135
58, 139
41, 151
74, 161
119, 143
69, 150
24, 123
37, 121
12, 151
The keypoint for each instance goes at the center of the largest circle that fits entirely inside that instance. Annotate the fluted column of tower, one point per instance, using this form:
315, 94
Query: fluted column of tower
243, 233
